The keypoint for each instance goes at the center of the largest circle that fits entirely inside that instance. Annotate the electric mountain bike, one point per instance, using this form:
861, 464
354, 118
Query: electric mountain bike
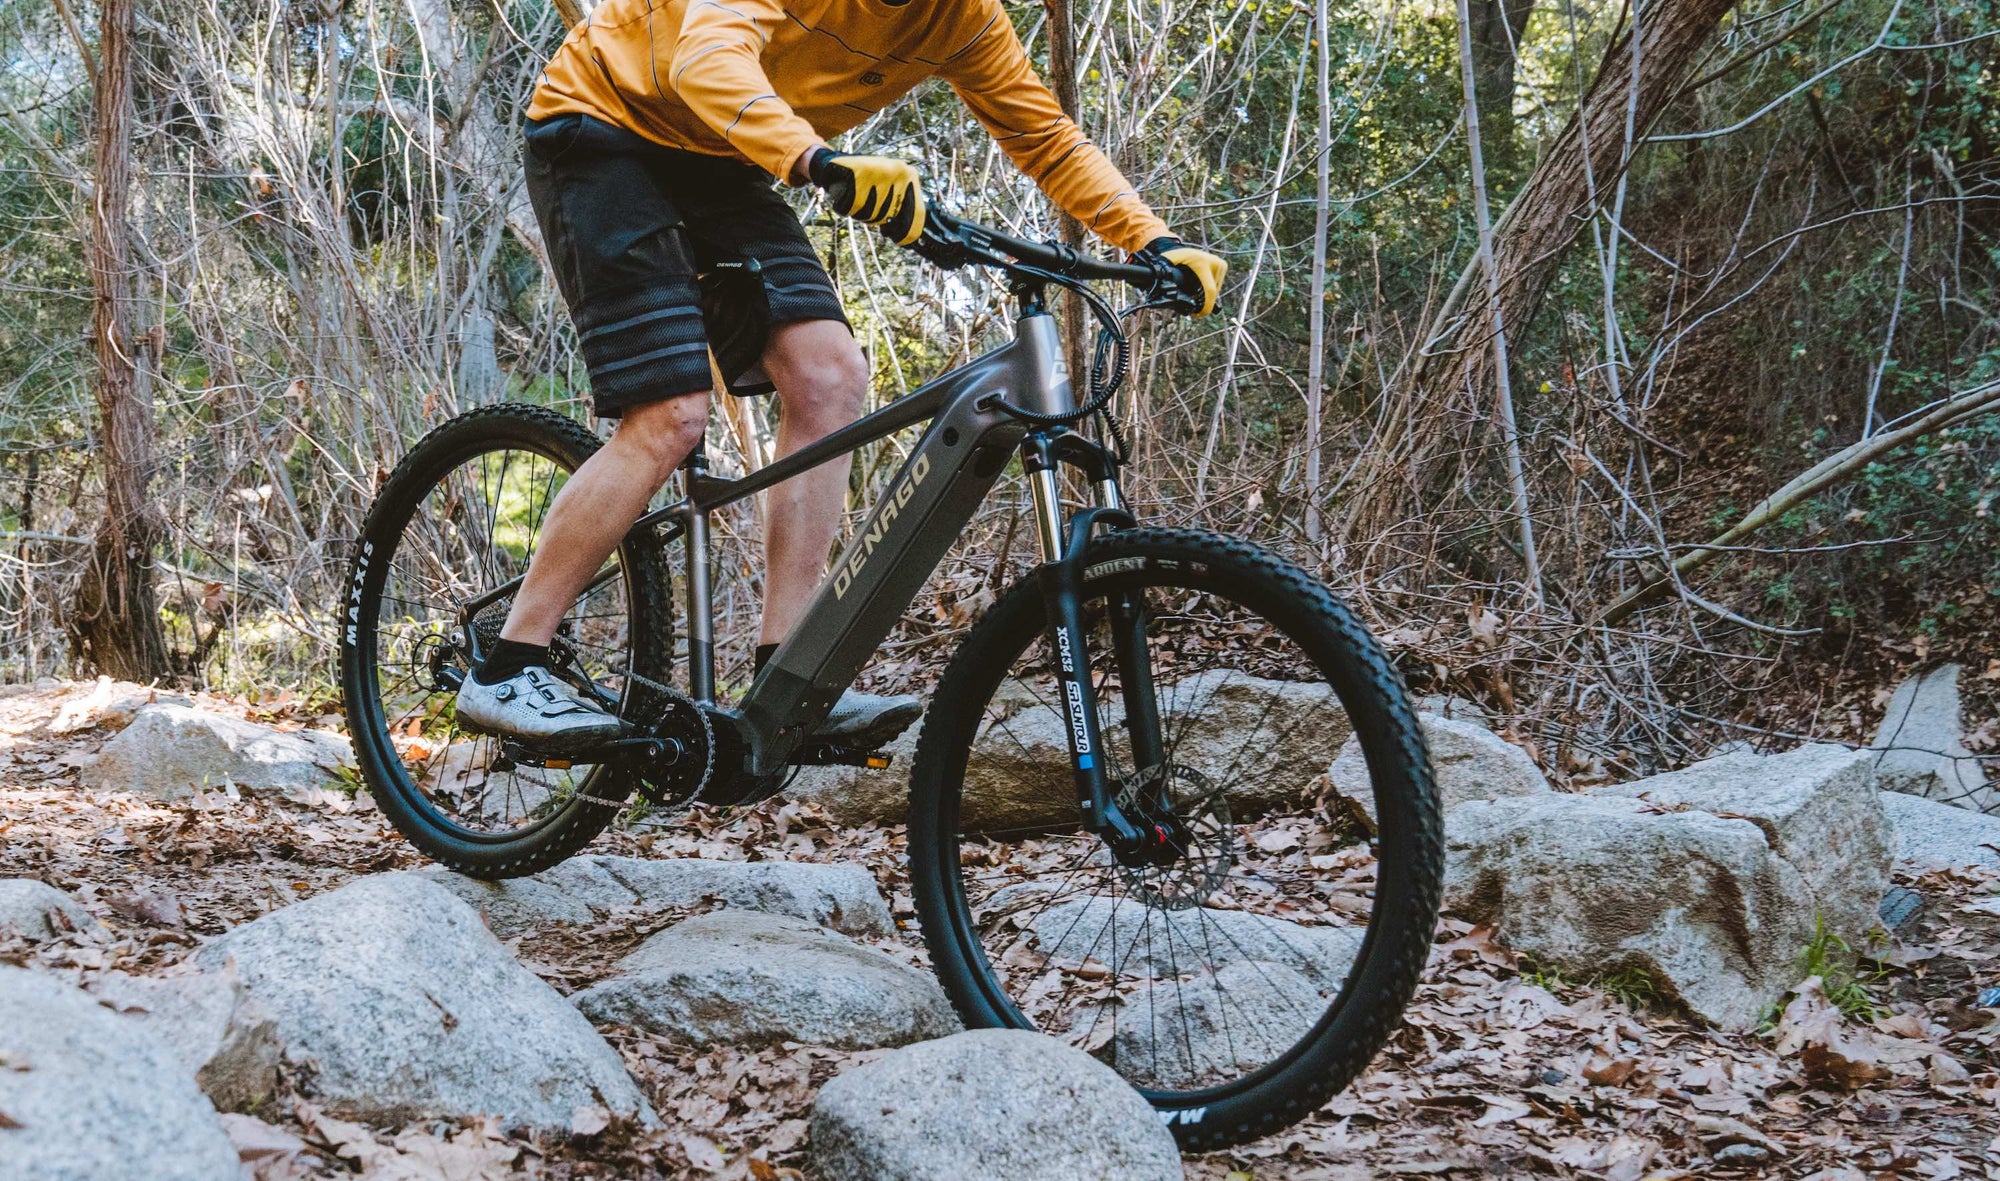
1121, 826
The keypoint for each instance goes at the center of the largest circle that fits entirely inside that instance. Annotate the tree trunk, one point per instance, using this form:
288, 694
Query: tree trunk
1562, 192
117, 619
1497, 27
1510, 435
1316, 317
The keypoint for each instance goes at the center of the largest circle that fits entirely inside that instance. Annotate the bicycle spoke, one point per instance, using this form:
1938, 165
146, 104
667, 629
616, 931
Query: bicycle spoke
1193, 971
478, 524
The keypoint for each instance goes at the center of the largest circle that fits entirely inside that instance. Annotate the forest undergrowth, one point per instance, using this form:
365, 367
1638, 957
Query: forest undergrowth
1726, 242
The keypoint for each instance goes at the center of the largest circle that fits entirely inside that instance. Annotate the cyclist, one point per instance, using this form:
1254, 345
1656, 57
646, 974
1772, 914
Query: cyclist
654, 141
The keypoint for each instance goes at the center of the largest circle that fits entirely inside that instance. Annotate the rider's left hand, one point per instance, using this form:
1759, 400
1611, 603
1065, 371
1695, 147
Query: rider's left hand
1206, 268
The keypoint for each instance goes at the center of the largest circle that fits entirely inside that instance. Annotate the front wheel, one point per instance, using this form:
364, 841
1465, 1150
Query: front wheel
1242, 981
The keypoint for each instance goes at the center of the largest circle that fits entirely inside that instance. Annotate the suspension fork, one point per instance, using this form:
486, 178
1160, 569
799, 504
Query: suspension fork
1064, 554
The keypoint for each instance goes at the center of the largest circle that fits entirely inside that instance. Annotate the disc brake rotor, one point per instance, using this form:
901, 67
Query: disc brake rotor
1206, 839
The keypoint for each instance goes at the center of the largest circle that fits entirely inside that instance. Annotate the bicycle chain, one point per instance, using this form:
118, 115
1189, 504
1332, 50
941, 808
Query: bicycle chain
690, 707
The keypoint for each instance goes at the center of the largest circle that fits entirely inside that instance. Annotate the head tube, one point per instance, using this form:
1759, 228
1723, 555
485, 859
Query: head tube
1045, 385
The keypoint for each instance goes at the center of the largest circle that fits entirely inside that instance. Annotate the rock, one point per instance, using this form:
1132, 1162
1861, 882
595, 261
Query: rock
742, 978
1595, 885
1819, 811
1267, 741
1928, 833
586, 889
406, 1007
222, 1036
110, 705
1922, 752
989, 1105
172, 751
1468, 762
1214, 1028
1451, 705
1019, 776
88, 1095
1164, 944
576, 892
36, 910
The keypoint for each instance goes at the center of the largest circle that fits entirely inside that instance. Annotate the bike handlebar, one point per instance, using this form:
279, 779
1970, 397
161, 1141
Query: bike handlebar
952, 241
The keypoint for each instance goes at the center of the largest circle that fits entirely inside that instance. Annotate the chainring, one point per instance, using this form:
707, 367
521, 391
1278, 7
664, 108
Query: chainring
659, 711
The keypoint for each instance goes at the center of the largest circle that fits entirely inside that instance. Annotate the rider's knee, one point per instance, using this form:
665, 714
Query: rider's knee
664, 432
829, 391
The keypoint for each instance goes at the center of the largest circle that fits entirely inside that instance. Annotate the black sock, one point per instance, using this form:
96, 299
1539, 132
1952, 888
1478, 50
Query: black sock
764, 652
507, 658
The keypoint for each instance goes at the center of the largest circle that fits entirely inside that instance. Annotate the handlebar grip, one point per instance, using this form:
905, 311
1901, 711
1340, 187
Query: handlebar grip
839, 192
897, 228
1188, 292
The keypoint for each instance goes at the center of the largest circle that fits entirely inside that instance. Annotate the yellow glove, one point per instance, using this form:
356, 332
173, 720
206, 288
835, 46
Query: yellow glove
872, 189
1206, 269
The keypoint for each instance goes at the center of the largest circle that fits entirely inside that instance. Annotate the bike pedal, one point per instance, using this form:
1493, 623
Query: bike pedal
832, 754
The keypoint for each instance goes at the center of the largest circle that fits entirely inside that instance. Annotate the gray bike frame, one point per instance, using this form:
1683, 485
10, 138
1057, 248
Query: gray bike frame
924, 508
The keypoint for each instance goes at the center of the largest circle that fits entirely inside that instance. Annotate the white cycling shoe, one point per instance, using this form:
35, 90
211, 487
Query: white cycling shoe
868, 721
535, 707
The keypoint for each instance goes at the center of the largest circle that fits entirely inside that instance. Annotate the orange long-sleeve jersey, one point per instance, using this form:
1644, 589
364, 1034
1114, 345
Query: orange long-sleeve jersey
769, 80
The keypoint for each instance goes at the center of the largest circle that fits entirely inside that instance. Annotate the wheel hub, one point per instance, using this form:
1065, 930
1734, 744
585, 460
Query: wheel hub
1188, 838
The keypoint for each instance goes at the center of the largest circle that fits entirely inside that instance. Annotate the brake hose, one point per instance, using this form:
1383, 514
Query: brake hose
1105, 378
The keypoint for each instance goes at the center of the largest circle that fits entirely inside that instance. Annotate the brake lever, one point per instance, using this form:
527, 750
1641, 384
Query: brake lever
946, 251
1173, 286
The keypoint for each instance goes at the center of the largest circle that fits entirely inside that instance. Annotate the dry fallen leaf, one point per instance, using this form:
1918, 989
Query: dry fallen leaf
703, 1154
1500, 1109
1828, 1049
1610, 1072
149, 906
1717, 1132
589, 1120
255, 1139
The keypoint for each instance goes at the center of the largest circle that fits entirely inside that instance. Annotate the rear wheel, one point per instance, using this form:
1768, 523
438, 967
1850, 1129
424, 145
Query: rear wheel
463, 513
1256, 972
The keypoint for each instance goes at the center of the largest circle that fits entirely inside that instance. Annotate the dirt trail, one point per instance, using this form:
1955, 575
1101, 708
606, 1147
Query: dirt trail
1496, 1074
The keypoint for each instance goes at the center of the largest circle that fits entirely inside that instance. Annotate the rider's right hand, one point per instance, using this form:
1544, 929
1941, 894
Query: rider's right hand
877, 190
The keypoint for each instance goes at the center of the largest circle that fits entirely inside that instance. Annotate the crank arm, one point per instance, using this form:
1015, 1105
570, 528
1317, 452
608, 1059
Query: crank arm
642, 748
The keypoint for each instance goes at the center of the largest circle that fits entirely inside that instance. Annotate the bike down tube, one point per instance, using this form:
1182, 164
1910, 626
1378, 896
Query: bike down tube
922, 512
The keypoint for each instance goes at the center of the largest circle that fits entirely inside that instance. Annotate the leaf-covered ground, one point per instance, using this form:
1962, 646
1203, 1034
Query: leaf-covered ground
1498, 1073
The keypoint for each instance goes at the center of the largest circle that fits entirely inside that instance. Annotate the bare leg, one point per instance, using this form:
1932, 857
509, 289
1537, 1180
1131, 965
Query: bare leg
596, 508
823, 381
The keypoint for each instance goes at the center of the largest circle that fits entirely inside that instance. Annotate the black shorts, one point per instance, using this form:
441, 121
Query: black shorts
665, 255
